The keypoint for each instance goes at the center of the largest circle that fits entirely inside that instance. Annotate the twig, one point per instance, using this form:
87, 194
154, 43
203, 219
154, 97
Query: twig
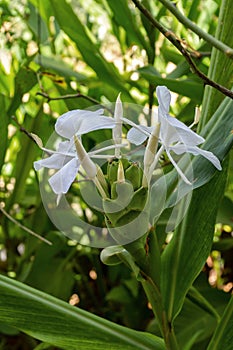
21, 128
199, 54
178, 44
196, 29
24, 227
69, 96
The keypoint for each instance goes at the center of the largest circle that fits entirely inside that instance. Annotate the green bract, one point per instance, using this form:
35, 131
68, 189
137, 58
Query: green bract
126, 207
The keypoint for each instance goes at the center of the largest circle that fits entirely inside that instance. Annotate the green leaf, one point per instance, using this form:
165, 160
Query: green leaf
185, 87
49, 271
123, 17
27, 153
221, 66
185, 255
3, 131
225, 213
204, 320
6, 83
37, 24
90, 52
24, 81
60, 67
56, 322
223, 336
193, 324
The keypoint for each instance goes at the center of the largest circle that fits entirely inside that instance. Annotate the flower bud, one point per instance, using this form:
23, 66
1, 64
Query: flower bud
85, 160
112, 171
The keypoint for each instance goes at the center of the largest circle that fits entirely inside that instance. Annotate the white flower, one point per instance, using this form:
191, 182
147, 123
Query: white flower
70, 154
174, 135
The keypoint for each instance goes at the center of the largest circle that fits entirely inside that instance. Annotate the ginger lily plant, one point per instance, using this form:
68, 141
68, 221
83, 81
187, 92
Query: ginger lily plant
125, 186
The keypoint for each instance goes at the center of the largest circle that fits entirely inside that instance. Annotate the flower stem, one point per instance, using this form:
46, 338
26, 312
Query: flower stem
154, 296
147, 258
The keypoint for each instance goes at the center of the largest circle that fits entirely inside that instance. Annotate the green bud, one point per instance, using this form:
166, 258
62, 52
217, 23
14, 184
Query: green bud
101, 178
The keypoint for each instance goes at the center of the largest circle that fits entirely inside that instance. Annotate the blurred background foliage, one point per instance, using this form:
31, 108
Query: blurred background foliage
62, 55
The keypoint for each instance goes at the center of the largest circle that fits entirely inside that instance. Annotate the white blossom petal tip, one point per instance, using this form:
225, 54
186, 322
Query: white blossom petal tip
61, 181
136, 137
164, 99
78, 122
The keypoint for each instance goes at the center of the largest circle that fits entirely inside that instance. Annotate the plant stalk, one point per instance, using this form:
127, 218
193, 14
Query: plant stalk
148, 259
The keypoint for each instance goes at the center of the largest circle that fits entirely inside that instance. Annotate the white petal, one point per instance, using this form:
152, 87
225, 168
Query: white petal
138, 135
164, 99
56, 161
179, 149
180, 172
81, 122
187, 136
168, 133
211, 157
62, 180
66, 146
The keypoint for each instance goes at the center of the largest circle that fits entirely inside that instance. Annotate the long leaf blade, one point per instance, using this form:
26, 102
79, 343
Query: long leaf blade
90, 52
56, 322
223, 336
185, 255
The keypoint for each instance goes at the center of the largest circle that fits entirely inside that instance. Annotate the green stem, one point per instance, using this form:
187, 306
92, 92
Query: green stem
146, 254
196, 29
155, 298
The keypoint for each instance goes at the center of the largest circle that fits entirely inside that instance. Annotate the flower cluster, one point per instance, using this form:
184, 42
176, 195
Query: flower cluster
167, 135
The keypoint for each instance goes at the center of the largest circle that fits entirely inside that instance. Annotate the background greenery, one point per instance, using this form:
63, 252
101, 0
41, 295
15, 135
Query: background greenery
91, 50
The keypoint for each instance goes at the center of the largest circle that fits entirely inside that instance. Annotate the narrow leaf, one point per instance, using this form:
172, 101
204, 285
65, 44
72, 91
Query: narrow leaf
221, 66
56, 322
185, 255
185, 87
73, 27
123, 16
3, 131
223, 336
